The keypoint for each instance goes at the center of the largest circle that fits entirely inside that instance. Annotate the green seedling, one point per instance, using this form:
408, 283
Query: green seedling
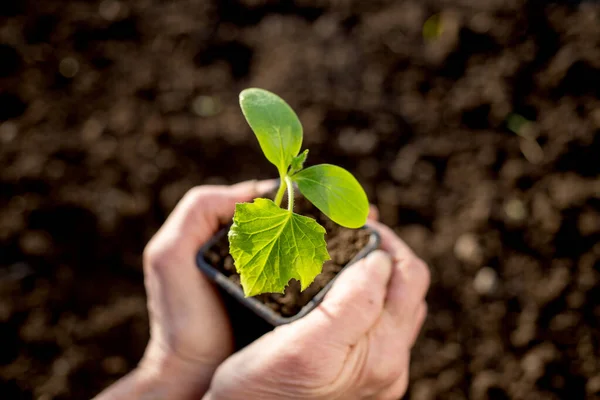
271, 245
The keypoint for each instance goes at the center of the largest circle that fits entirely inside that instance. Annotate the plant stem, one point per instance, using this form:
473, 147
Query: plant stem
280, 192
290, 191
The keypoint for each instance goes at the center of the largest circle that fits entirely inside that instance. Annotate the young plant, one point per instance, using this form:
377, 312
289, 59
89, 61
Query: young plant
271, 245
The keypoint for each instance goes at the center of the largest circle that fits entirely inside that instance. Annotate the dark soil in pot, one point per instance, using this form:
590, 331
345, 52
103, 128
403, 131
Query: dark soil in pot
343, 245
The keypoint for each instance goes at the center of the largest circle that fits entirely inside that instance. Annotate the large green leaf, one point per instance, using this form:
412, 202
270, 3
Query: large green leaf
275, 124
335, 192
270, 246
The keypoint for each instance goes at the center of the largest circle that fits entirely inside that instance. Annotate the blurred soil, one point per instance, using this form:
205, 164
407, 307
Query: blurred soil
110, 111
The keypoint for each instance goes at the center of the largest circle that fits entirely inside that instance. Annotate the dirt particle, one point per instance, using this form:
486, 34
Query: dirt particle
424, 389
564, 321
486, 281
206, 106
402, 167
467, 249
532, 150
68, 67
109, 9
534, 361
114, 365
357, 142
592, 386
92, 129
515, 210
589, 222
553, 284
36, 243
61, 367
526, 327
8, 131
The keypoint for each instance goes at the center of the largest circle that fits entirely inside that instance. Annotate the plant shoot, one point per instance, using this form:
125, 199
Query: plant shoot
271, 245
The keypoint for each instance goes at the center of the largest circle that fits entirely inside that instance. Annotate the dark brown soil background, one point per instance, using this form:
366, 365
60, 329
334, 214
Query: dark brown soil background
111, 111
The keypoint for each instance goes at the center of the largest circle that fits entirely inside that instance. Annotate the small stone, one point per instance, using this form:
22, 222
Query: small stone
35, 242
109, 9
526, 327
593, 385
486, 281
515, 210
68, 67
424, 389
92, 129
534, 361
357, 142
206, 106
402, 168
589, 223
564, 321
575, 299
114, 365
61, 367
532, 151
8, 131
467, 248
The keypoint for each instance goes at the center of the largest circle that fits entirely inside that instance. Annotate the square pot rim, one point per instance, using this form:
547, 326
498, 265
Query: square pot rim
260, 308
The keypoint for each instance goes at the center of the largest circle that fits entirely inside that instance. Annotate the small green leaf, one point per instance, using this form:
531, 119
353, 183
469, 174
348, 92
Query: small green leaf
270, 246
335, 192
298, 162
275, 124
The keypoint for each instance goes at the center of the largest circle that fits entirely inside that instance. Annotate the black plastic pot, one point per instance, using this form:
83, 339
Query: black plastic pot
260, 309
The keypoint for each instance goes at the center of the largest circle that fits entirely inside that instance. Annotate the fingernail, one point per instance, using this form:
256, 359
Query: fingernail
379, 258
373, 213
379, 265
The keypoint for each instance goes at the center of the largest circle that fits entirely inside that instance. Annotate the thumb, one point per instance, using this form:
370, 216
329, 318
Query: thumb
200, 212
354, 303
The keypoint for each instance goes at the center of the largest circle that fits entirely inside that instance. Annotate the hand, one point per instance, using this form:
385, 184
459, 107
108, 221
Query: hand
355, 345
189, 327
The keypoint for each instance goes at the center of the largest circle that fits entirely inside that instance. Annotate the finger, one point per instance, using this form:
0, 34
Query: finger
373, 213
199, 214
408, 287
410, 277
354, 303
419, 319
390, 242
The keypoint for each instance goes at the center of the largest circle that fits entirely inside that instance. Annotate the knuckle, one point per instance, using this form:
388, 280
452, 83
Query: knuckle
195, 194
156, 254
300, 362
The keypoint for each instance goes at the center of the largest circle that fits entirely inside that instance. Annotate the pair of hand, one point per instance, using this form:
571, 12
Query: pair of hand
355, 345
